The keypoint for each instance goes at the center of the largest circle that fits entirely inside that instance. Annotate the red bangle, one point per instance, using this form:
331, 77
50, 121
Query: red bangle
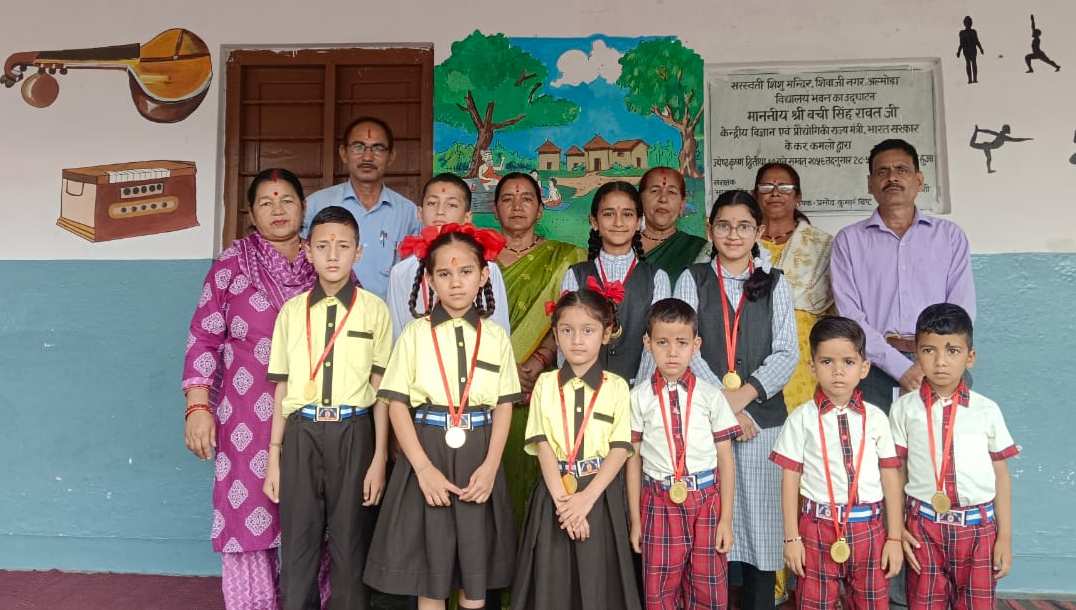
197, 407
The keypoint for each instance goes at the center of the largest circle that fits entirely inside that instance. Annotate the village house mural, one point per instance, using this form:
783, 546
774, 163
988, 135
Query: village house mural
572, 112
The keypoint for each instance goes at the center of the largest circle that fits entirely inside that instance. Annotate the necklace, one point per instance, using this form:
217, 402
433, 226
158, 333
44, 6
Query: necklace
780, 237
658, 239
522, 250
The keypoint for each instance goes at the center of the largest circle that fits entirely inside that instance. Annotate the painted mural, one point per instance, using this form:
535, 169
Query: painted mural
106, 202
574, 113
168, 76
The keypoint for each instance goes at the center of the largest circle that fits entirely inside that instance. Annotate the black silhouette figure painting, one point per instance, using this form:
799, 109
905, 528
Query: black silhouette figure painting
1072, 159
1036, 49
987, 145
970, 48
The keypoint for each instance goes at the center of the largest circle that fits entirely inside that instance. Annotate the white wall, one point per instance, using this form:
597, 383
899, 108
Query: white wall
1027, 206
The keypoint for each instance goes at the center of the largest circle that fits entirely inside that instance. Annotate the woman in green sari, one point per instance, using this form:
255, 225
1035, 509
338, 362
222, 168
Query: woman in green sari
664, 192
533, 268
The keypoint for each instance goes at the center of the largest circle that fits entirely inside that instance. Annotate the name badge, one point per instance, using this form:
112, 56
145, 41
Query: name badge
327, 413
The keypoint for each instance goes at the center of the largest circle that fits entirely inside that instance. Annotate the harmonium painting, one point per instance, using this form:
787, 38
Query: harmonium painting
106, 202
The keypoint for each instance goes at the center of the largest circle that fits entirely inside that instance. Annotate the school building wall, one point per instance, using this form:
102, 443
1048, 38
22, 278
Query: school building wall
95, 473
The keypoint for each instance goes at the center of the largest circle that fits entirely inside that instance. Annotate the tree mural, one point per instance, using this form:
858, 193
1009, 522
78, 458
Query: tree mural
488, 85
664, 78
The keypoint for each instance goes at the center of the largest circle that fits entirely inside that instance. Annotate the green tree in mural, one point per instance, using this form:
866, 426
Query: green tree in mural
488, 85
664, 78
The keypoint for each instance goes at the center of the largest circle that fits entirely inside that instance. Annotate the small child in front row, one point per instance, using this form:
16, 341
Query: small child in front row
958, 537
446, 523
681, 427
838, 454
327, 454
575, 553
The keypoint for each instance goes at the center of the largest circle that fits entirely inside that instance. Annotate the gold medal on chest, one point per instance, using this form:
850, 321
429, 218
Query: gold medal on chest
940, 502
731, 380
839, 551
678, 492
571, 484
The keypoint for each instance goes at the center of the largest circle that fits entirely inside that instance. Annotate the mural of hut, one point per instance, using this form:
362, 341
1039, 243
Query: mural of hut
598, 154
576, 158
630, 153
601, 155
549, 157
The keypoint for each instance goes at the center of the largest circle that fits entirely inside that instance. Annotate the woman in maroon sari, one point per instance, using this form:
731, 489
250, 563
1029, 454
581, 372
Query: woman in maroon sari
229, 398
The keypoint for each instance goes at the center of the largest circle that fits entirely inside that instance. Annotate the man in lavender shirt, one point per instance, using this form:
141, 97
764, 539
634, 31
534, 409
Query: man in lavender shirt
888, 268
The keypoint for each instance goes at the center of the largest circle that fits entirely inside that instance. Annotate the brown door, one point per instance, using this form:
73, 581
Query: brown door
287, 109
597, 165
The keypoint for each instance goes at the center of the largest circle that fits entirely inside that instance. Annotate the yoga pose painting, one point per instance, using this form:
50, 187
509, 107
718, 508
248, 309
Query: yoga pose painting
1036, 49
1000, 137
970, 47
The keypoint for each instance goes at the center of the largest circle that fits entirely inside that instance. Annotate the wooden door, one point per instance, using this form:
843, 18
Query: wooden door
288, 108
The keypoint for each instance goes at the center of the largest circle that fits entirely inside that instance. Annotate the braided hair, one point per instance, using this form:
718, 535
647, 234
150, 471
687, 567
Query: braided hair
594, 242
760, 282
484, 302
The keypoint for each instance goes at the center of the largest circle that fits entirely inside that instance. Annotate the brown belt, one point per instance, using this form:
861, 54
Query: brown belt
903, 344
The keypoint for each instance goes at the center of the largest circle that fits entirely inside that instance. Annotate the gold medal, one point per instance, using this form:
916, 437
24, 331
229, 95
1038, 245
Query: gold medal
940, 502
455, 437
731, 381
678, 492
571, 484
310, 391
839, 551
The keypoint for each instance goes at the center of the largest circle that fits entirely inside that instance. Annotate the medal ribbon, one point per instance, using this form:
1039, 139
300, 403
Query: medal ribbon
332, 341
627, 276
839, 525
573, 450
732, 334
927, 394
678, 461
454, 414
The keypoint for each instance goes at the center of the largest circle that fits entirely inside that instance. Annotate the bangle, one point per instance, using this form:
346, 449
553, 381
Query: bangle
897, 540
541, 358
796, 539
196, 407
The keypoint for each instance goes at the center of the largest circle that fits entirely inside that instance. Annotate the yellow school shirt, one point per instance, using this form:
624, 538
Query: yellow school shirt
609, 425
413, 377
362, 348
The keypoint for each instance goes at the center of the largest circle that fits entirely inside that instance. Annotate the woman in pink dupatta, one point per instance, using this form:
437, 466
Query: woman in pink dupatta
229, 398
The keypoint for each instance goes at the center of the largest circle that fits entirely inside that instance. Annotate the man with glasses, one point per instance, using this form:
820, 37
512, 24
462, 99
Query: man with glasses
888, 268
385, 217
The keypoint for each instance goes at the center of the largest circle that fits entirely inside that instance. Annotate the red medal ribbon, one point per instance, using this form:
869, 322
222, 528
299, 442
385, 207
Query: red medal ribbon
573, 450
927, 394
455, 414
627, 276
332, 341
732, 335
839, 525
679, 462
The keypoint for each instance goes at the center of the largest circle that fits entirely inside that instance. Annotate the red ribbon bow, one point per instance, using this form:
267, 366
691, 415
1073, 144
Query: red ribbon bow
614, 291
491, 241
550, 307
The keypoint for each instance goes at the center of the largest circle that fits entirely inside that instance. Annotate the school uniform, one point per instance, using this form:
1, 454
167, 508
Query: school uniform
767, 351
429, 551
553, 571
799, 449
645, 284
956, 546
681, 566
323, 463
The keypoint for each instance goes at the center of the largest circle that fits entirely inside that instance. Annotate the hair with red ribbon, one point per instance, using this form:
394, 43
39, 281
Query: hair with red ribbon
614, 291
601, 307
420, 245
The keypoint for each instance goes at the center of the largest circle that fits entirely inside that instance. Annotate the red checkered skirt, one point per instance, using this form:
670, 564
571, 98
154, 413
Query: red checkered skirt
956, 565
864, 583
681, 566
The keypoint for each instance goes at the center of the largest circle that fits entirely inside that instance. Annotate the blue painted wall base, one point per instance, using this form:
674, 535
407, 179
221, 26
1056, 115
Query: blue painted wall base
96, 477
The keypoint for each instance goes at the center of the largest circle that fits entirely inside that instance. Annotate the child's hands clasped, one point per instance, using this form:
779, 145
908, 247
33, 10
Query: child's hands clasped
435, 487
480, 485
573, 512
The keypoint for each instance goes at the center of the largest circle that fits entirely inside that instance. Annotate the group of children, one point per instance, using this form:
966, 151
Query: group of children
689, 498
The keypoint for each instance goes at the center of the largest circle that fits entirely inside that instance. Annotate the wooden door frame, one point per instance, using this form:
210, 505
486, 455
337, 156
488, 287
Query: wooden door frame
236, 56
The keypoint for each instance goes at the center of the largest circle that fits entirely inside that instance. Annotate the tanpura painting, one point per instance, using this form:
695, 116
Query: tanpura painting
168, 76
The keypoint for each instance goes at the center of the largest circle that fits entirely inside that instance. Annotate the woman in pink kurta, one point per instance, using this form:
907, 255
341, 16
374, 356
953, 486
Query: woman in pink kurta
225, 370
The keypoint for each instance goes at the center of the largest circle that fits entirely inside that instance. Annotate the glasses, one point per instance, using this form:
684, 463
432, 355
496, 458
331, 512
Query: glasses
768, 187
744, 230
359, 148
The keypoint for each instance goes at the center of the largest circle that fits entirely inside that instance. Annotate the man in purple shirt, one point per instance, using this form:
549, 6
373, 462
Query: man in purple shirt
888, 268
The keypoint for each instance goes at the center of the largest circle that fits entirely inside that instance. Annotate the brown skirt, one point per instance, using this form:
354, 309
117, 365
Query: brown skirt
430, 551
553, 571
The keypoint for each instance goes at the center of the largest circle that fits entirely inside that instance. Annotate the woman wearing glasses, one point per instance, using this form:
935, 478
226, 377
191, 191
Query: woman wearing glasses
802, 252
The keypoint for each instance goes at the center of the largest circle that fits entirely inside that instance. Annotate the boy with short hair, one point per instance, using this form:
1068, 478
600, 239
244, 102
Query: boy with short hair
836, 451
681, 476
958, 539
326, 452
446, 199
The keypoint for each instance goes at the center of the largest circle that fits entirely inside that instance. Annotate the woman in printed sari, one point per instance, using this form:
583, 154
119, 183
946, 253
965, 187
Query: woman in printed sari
667, 247
533, 268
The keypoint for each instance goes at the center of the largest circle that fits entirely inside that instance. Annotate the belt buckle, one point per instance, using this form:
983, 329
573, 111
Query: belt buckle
953, 517
465, 421
584, 468
691, 481
824, 511
327, 413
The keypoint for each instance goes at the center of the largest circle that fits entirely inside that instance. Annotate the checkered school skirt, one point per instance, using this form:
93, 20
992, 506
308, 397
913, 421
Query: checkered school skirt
757, 527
